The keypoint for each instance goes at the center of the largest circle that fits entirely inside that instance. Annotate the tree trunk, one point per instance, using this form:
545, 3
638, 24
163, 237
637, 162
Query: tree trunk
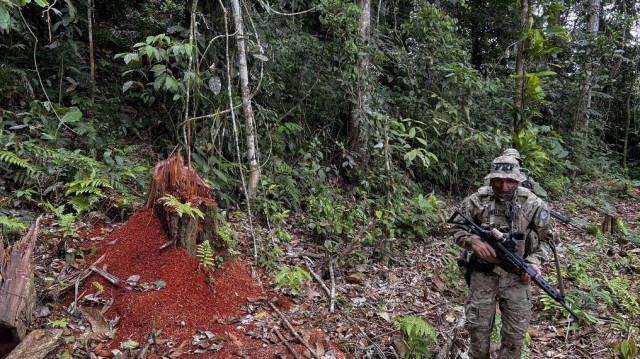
17, 290
583, 102
359, 117
92, 63
254, 169
627, 126
172, 177
519, 97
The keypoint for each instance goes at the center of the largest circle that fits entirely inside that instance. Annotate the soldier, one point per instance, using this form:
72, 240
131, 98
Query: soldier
512, 209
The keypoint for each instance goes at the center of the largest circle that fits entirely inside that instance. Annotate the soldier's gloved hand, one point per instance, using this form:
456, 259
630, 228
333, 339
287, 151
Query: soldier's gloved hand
526, 277
483, 250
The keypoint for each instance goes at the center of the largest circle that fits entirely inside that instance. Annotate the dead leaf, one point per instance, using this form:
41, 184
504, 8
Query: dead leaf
95, 318
319, 347
355, 278
235, 340
438, 281
385, 316
256, 299
180, 350
401, 347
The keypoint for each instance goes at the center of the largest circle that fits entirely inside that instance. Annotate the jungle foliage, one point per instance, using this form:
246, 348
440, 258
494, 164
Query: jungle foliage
441, 89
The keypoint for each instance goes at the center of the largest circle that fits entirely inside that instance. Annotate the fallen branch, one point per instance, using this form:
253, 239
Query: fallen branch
333, 288
445, 351
286, 344
366, 337
305, 254
110, 277
317, 278
293, 331
55, 290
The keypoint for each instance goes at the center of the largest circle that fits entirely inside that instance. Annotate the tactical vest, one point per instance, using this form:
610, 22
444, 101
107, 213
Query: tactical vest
508, 218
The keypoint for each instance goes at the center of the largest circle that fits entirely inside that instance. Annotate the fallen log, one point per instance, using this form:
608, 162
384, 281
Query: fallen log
17, 290
37, 344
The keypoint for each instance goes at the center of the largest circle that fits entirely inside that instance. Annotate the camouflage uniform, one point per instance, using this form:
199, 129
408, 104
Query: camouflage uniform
523, 212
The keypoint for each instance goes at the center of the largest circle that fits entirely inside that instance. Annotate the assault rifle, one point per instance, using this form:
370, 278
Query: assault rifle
566, 220
510, 261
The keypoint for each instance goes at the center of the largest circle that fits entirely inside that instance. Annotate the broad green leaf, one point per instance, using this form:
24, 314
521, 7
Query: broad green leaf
261, 57
215, 85
556, 7
72, 116
411, 155
189, 49
130, 57
72, 11
42, 3
556, 30
5, 18
127, 85
545, 73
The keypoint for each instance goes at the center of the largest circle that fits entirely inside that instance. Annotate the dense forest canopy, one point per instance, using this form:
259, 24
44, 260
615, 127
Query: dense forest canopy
314, 101
359, 119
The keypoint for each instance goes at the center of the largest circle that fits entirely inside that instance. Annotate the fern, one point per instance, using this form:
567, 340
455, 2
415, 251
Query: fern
13, 159
205, 254
181, 208
11, 224
88, 186
620, 289
414, 330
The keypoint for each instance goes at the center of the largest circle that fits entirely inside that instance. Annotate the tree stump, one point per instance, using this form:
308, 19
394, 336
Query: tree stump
17, 290
172, 178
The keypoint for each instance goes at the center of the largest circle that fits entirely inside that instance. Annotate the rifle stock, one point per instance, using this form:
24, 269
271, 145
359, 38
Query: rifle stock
511, 262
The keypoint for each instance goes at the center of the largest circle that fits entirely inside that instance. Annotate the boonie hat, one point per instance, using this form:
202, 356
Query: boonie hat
513, 153
506, 167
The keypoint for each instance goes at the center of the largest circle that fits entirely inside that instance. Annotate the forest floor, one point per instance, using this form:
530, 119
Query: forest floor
166, 304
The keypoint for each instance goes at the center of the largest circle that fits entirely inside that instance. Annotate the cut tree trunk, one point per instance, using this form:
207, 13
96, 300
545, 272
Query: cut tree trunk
17, 291
37, 344
172, 177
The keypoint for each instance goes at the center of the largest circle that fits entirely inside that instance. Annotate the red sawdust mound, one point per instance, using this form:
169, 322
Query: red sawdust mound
193, 302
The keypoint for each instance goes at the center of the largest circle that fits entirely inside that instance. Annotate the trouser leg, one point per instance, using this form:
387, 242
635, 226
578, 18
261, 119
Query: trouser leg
515, 309
480, 311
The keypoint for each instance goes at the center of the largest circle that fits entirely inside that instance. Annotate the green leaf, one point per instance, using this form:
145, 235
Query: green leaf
557, 7
131, 57
5, 18
129, 344
545, 73
556, 30
127, 85
215, 85
261, 57
624, 348
72, 116
42, 3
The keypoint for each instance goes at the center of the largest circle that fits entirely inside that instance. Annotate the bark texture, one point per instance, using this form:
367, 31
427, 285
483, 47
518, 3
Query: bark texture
172, 177
254, 168
17, 291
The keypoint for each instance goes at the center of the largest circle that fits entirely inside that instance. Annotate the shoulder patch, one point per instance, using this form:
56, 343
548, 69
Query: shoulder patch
544, 215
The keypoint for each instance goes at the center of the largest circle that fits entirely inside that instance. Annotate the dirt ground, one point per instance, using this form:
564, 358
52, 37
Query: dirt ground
167, 305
